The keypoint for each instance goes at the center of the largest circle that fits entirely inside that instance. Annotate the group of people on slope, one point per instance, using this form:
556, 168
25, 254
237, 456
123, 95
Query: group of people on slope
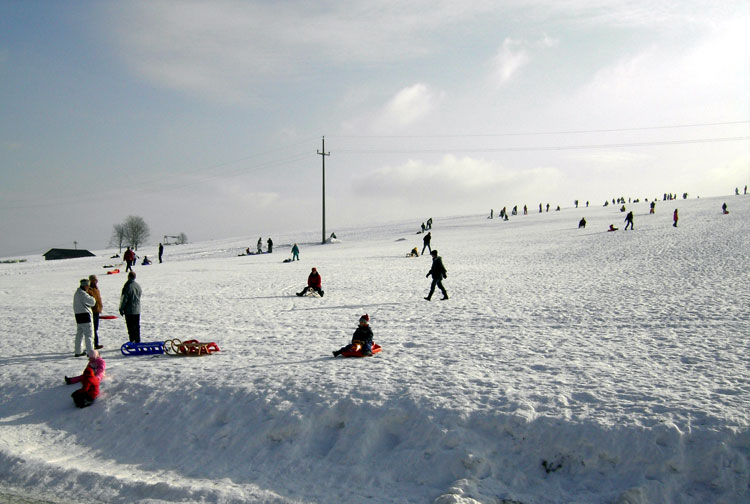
87, 307
130, 257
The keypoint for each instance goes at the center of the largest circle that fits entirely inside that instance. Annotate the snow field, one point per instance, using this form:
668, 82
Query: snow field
568, 366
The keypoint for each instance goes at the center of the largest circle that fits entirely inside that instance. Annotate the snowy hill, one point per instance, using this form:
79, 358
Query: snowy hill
568, 365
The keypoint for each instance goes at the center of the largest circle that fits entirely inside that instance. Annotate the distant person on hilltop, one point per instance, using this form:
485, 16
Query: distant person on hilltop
429, 223
724, 208
653, 207
269, 242
361, 339
629, 221
423, 228
438, 272
314, 283
426, 240
161, 252
582, 223
260, 245
129, 258
295, 252
675, 218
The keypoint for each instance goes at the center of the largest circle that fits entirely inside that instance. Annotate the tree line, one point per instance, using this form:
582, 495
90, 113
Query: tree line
134, 231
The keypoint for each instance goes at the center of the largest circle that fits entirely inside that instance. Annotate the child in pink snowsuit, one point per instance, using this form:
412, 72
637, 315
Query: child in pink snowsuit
97, 365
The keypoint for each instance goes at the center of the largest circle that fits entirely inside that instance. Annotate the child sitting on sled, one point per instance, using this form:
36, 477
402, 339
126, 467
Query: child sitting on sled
361, 340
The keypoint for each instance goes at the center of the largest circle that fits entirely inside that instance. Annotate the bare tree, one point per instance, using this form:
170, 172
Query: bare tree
118, 236
182, 239
136, 231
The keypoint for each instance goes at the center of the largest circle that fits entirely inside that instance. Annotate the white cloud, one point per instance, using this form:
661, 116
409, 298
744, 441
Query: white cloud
510, 57
408, 106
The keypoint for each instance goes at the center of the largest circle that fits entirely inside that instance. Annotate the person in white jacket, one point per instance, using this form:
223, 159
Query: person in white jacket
82, 304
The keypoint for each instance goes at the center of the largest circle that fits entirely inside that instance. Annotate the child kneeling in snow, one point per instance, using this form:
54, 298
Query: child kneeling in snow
361, 339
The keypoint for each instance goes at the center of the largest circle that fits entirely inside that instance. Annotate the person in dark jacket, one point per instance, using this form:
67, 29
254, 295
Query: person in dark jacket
130, 306
89, 390
629, 221
361, 339
161, 252
295, 252
269, 242
314, 283
427, 238
438, 272
129, 258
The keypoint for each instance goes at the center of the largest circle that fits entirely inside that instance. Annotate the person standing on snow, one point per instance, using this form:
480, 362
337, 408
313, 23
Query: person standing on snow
295, 252
161, 252
129, 258
93, 291
82, 304
427, 238
675, 217
270, 245
260, 245
314, 283
130, 306
629, 221
438, 272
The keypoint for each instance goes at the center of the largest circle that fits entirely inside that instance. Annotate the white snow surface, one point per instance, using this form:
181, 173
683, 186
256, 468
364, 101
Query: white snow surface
568, 365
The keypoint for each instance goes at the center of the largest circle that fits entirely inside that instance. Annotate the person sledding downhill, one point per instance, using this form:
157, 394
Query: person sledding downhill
314, 283
438, 272
361, 339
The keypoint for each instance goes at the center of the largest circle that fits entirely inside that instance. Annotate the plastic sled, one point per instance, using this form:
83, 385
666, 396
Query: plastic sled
108, 317
190, 347
150, 348
358, 353
113, 272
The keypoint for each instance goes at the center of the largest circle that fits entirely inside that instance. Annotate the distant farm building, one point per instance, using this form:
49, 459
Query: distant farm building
56, 253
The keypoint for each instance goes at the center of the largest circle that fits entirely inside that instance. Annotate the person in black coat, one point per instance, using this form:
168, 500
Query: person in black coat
438, 272
629, 221
427, 238
361, 339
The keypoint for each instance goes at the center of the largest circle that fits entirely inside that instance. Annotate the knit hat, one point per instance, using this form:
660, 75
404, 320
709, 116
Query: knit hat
84, 282
364, 318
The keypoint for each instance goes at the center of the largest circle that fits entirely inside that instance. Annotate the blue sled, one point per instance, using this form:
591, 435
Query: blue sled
151, 348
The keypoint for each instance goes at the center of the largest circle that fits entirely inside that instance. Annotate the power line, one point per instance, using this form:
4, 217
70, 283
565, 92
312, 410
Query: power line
562, 132
543, 148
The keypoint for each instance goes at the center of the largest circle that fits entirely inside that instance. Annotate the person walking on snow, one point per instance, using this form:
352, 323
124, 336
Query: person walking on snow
675, 218
629, 221
161, 252
438, 272
129, 258
295, 252
82, 304
427, 238
93, 291
314, 283
130, 306
270, 245
361, 339
260, 245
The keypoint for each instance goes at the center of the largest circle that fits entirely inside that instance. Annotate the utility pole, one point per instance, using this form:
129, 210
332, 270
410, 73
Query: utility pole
323, 154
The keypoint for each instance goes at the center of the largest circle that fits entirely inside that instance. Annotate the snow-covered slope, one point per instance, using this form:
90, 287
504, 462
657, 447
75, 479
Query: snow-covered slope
568, 365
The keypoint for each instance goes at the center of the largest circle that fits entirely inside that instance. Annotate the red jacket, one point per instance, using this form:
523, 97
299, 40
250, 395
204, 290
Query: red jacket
90, 383
314, 280
129, 255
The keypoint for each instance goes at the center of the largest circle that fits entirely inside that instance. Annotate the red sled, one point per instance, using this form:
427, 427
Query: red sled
358, 353
113, 272
108, 317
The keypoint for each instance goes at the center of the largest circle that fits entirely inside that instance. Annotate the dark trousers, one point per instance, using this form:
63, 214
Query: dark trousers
308, 289
439, 283
134, 327
629, 223
96, 330
129, 267
426, 246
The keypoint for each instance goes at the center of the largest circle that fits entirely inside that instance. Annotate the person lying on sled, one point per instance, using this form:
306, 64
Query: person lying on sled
361, 339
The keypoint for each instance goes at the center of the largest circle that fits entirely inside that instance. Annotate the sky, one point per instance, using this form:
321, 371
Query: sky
207, 118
